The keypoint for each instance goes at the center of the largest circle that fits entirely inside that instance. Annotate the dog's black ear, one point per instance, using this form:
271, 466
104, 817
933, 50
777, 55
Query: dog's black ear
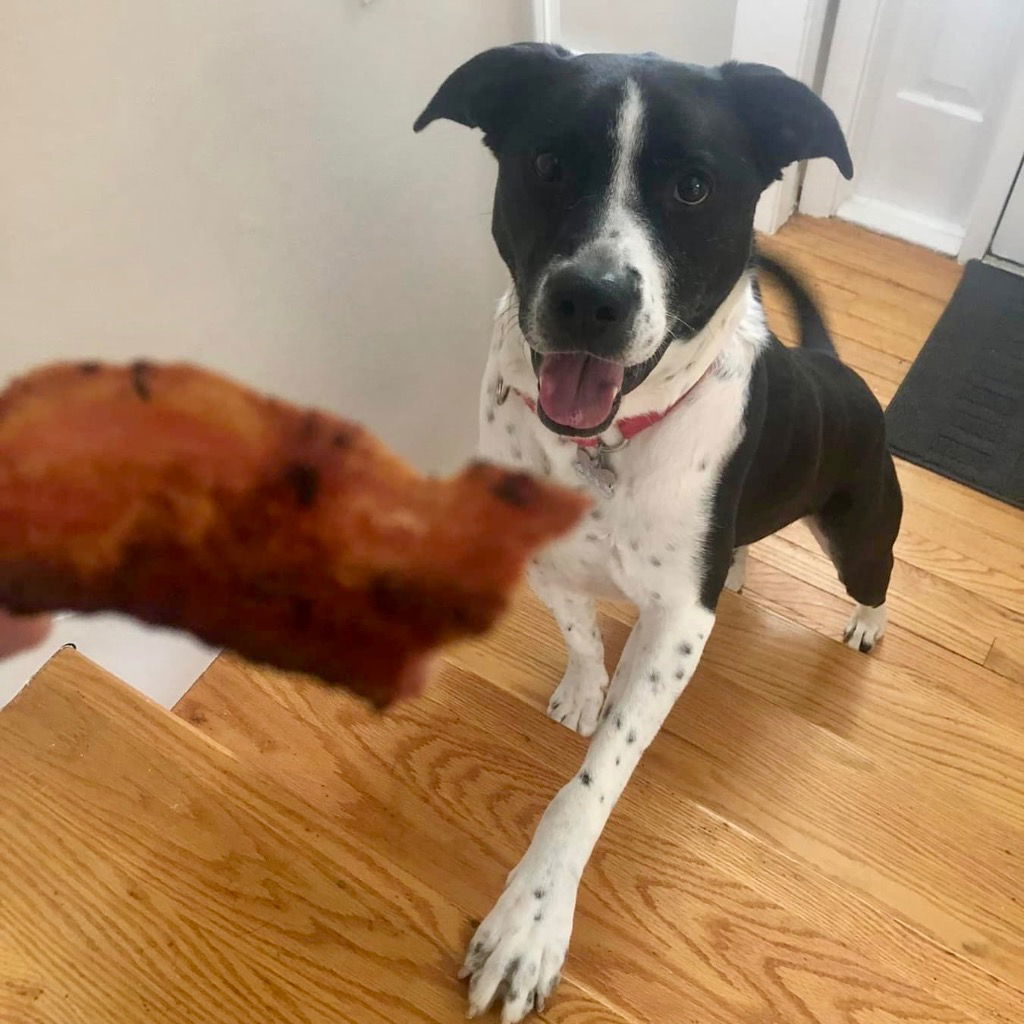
488, 91
786, 119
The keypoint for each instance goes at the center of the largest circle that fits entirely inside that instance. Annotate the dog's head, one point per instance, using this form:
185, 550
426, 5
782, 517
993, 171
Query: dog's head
625, 200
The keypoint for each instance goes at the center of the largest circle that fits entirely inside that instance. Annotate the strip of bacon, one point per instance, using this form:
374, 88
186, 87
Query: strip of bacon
292, 537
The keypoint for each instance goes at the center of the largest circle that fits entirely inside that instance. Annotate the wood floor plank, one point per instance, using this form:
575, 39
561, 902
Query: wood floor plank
884, 328
929, 605
935, 669
935, 552
650, 897
881, 258
978, 513
891, 714
148, 878
1007, 658
856, 288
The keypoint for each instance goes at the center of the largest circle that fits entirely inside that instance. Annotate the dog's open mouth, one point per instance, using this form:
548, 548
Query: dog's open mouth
578, 390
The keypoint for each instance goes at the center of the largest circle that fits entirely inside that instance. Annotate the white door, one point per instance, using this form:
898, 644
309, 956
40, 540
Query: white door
1008, 243
924, 85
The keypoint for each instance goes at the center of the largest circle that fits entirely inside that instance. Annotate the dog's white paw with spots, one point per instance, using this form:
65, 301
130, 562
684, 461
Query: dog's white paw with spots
865, 628
516, 955
577, 700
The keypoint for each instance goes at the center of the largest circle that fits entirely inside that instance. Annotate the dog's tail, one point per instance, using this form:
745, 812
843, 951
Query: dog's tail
813, 332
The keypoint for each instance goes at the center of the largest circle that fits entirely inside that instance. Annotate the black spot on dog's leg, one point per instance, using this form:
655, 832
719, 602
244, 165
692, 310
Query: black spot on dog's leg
539, 894
538, 917
655, 561
618, 721
680, 673
631, 736
618, 760
685, 648
585, 778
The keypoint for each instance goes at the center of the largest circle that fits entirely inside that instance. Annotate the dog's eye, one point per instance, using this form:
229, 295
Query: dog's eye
548, 167
692, 188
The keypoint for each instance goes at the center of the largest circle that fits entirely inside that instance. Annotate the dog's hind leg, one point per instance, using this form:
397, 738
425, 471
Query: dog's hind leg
857, 529
577, 699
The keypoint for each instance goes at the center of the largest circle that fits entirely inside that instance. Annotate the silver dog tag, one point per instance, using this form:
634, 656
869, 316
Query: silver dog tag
592, 464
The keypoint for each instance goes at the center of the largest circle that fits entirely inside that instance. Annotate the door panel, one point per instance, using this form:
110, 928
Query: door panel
932, 88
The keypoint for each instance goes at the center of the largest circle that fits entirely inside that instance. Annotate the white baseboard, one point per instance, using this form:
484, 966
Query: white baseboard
943, 236
161, 663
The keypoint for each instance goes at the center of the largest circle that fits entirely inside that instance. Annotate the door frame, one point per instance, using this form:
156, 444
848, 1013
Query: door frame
789, 35
825, 189
998, 175
547, 21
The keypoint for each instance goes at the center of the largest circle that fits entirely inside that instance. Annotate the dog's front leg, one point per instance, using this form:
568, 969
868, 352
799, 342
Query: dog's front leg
518, 951
577, 699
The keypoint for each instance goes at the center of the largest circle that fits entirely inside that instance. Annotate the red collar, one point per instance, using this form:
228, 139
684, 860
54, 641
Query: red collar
629, 426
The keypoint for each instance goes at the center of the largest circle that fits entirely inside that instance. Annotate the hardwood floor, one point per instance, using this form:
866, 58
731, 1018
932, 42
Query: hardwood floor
816, 836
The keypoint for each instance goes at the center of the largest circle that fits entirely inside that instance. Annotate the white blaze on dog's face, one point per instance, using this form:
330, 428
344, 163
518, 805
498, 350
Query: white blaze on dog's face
624, 203
629, 236
602, 308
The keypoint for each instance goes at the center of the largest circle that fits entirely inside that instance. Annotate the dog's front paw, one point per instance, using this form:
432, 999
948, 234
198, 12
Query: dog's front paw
577, 700
516, 955
865, 628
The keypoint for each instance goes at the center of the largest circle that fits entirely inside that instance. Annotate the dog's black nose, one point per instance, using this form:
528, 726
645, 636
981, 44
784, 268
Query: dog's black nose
590, 311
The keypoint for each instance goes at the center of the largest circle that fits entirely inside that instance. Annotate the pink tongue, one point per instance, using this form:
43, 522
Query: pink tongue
577, 390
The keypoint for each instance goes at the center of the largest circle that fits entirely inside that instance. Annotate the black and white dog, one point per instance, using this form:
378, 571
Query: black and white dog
631, 357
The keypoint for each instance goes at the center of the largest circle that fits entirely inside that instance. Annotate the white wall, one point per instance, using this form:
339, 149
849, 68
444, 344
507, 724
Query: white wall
236, 182
699, 31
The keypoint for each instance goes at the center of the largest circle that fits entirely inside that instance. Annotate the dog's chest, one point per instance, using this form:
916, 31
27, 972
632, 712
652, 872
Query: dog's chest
649, 516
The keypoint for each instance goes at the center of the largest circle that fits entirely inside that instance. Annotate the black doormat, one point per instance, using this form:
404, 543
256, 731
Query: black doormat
960, 409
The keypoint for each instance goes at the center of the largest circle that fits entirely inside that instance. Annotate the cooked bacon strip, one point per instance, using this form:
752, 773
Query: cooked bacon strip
295, 538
